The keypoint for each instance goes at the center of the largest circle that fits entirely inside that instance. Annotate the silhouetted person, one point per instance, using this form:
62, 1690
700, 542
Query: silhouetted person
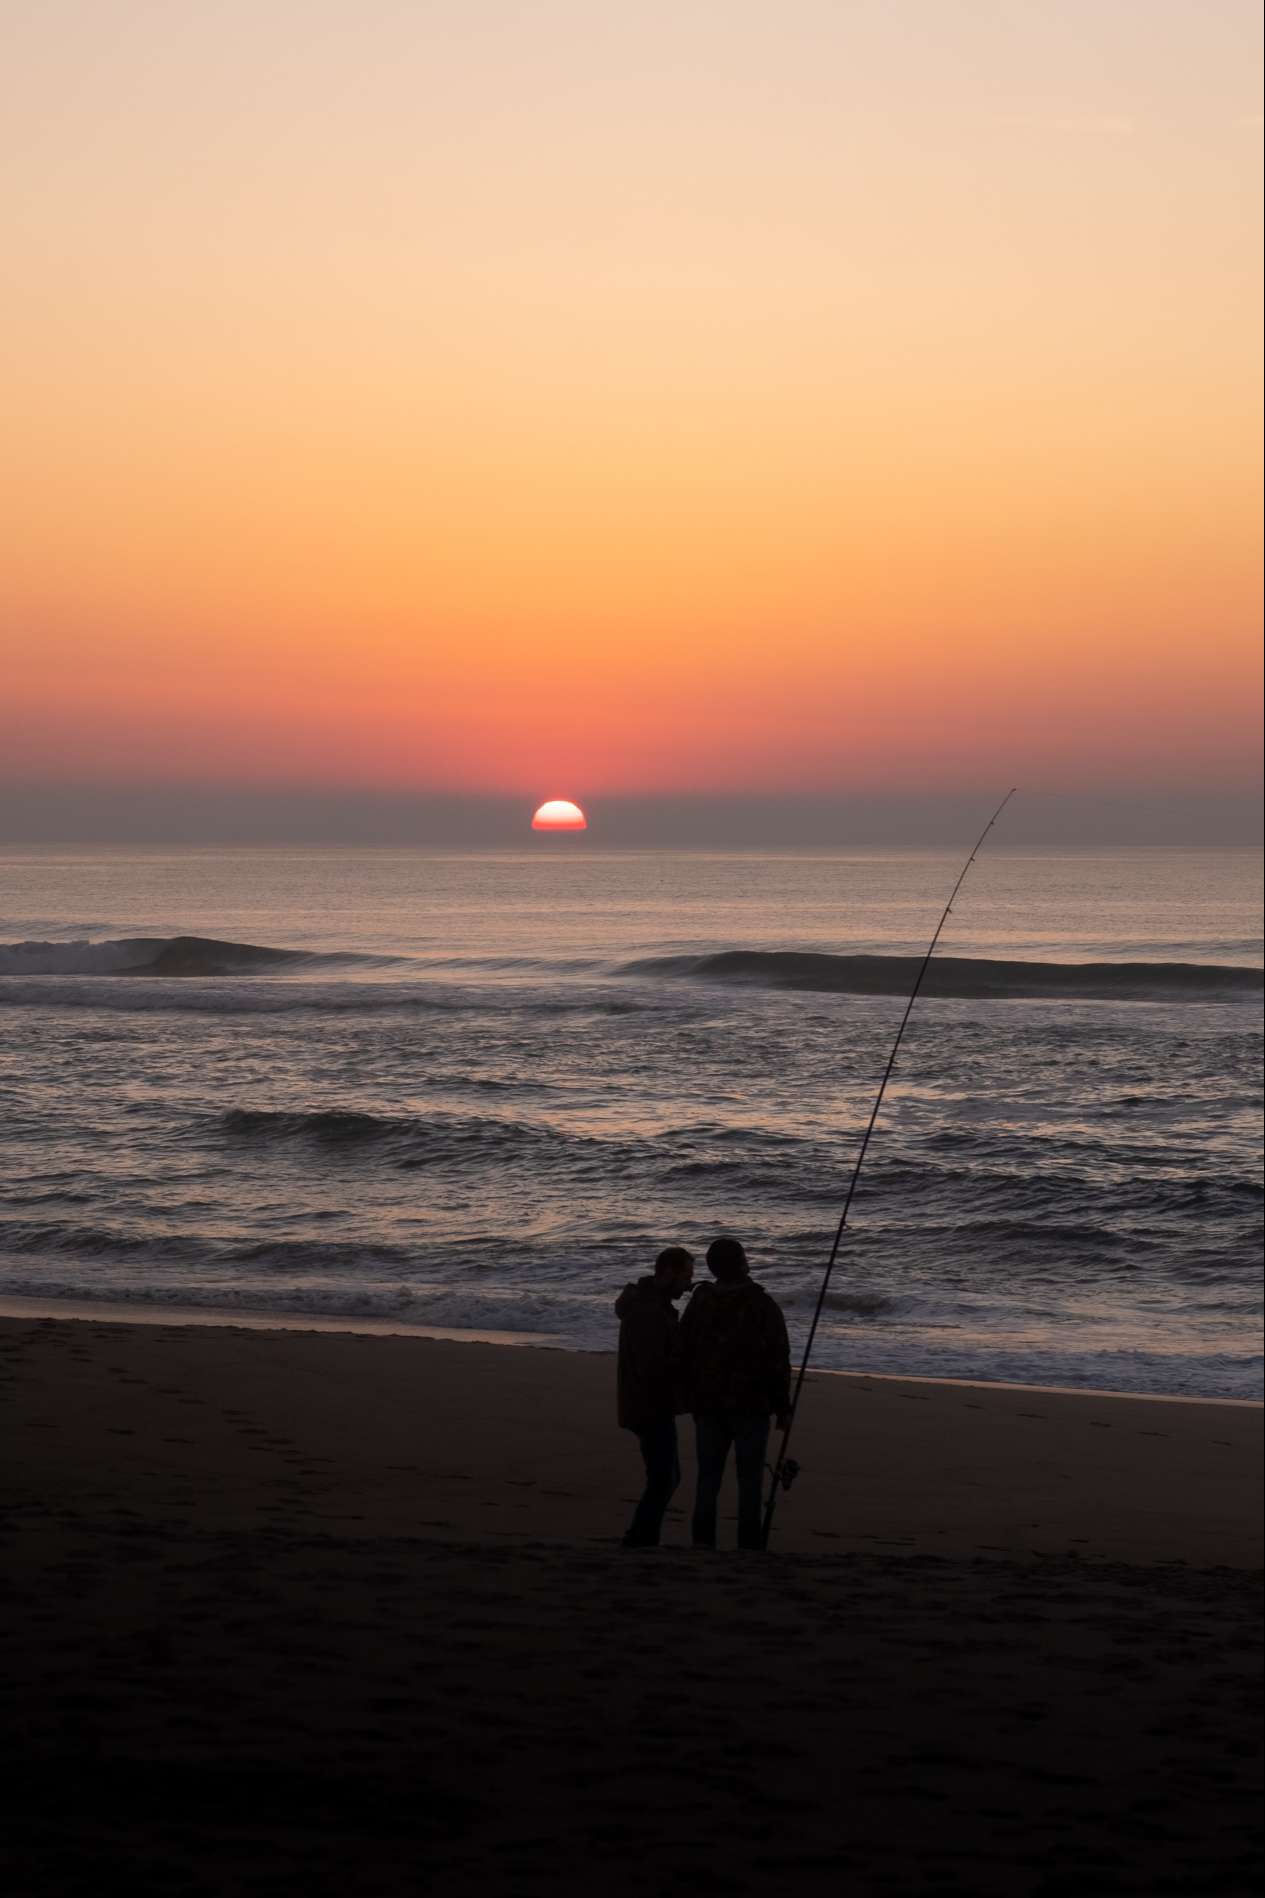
736, 1365
650, 1384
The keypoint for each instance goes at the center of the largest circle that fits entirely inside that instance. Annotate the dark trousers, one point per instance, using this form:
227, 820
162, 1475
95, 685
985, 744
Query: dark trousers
657, 1443
748, 1433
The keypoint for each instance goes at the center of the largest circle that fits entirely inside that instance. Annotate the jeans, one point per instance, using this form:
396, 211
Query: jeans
657, 1443
748, 1432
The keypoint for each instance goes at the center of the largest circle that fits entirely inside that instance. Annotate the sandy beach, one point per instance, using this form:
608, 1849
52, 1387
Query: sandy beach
336, 1612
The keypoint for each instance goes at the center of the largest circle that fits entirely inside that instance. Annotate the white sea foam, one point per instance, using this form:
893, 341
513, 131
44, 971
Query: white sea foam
585, 1319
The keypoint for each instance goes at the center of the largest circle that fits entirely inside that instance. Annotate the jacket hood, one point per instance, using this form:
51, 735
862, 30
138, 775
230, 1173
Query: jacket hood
637, 1292
731, 1288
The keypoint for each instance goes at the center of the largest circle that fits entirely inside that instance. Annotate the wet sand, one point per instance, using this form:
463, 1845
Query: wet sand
293, 1611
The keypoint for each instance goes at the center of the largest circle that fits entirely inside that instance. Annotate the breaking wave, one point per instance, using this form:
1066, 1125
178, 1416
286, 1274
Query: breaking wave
958, 976
189, 958
571, 1321
164, 956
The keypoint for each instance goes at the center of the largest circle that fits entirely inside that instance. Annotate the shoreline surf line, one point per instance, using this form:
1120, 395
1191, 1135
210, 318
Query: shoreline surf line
118, 1312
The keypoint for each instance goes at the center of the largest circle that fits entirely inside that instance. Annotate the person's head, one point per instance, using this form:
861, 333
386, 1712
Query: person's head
727, 1261
674, 1269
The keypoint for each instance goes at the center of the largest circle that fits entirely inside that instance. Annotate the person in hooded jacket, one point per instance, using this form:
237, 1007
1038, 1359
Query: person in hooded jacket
649, 1388
736, 1368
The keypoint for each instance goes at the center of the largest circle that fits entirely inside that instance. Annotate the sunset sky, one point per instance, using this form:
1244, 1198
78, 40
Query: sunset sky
570, 399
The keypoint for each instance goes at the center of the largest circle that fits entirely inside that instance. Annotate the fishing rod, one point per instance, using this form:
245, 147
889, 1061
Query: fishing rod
786, 1469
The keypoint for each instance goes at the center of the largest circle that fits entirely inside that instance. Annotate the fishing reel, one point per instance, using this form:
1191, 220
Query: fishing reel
787, 1473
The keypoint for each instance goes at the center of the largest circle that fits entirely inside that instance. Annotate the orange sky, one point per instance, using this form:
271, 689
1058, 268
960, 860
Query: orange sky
719, 398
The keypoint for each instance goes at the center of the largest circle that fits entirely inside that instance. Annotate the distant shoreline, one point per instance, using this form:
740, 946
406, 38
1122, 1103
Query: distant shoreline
120, 1312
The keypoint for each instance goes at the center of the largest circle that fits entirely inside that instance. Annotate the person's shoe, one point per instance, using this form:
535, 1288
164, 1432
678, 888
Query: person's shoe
639, 1542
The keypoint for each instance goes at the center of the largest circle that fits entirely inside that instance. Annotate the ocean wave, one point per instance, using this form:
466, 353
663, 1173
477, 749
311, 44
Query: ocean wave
848, 1304
408, 1140
187, 958
330, 998
175, 956
22, 1237
64, 989
102, 1244
1043, 1235
737, 1179
582, 1322
338, 1126
952, 977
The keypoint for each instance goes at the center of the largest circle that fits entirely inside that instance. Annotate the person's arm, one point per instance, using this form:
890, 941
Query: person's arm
647, 1362
685, 1337
779, 1359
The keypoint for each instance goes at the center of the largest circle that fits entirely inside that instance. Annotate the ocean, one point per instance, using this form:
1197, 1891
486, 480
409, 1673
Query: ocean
479, 1091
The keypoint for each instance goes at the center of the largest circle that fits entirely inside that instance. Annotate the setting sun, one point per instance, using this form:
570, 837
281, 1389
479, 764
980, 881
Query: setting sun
559, 813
